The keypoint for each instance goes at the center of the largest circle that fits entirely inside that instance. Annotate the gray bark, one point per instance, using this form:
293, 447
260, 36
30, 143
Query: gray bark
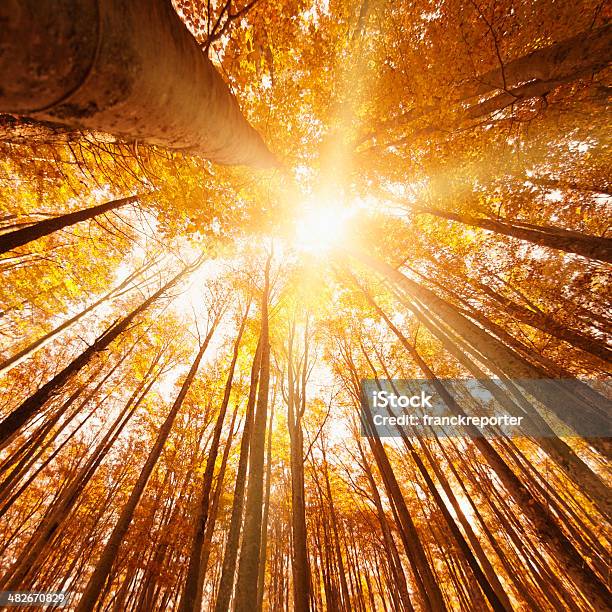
126, 67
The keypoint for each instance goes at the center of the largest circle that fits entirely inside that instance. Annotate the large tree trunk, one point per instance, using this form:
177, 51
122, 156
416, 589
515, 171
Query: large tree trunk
20, 130
558, 238
126, 67
540, 71
580, 56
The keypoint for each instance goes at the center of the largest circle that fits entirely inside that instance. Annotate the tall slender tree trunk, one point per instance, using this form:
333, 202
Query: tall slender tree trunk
394, 560
556, 448
11, 425
541, 320
126, 67
533, 74
214, 505
29, 350
226, 585
546, 366
554, 397
296, 406
431, 594
494, 600
248, 567
12, 240
107, 558
558, 238
191, 600
333, 519
261, 578
55, 515
541, 519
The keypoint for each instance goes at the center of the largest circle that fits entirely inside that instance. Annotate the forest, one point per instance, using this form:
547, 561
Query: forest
222, 222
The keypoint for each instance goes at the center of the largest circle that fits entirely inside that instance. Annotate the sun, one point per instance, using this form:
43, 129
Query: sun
322, 227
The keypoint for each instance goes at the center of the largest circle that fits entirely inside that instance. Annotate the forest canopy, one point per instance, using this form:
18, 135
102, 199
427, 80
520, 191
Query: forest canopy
218, 219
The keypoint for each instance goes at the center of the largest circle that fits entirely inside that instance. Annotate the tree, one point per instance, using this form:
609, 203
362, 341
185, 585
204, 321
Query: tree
297, 376
160, 102
24, 412
250, 553
192, 594
105, 562
17, 238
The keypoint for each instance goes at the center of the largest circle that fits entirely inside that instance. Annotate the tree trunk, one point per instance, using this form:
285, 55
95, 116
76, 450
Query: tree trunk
555, 447
126, 67
27, 131
226, 585
563, 455
18, 238
431, 595
296, 405
211, 518
498, 599
541, 320
60, 510
531, 75
394, 560
261, 578
335, 548
555, 183
581, 55
107, 558
554, 397
21, 415
191, 600
558, 238
543, 522
248, 568
487, 567
29, 350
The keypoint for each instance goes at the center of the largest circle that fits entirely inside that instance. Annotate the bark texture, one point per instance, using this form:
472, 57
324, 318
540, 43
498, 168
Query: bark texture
126, 67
